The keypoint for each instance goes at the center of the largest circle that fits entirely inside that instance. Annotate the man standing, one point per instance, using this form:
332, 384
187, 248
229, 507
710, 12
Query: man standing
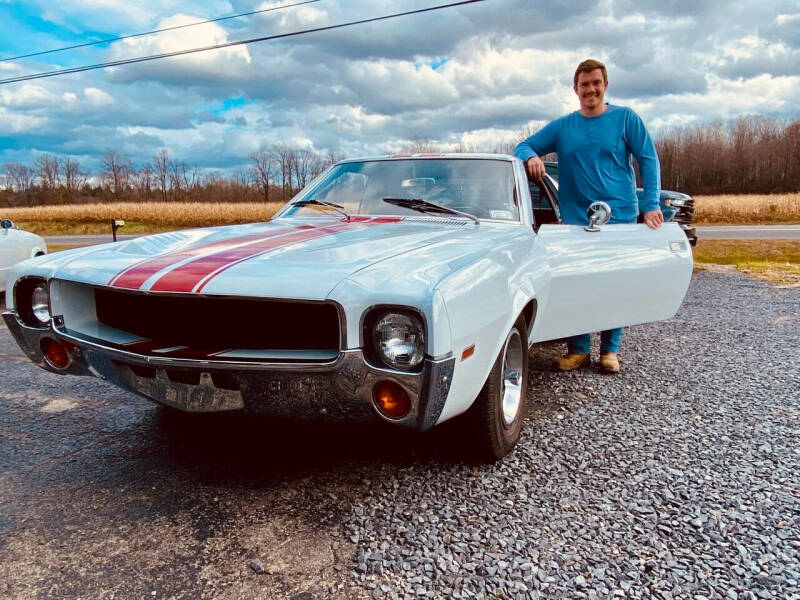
594, 147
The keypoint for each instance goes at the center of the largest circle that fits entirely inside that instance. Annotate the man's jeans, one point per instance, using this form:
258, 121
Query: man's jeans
582, 344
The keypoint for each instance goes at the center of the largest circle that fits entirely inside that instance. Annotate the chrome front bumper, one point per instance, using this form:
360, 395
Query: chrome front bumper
341, 389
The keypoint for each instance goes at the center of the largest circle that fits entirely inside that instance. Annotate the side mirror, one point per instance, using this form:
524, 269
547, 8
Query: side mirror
6, 224
599, 213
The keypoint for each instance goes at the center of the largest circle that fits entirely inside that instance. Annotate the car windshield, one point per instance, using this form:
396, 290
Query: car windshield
480, 187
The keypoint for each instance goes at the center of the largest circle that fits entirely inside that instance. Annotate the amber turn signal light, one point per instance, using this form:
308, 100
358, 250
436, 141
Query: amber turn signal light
55, 353
391, 399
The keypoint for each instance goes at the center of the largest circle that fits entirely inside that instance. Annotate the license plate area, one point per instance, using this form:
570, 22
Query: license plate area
189, 390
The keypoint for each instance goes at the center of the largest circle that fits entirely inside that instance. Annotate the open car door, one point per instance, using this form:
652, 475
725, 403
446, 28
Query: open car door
618, 276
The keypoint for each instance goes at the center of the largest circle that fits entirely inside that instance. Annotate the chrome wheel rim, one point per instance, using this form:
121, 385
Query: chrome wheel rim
512, 378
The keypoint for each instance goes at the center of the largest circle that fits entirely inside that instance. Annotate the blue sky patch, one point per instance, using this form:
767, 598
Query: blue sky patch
228, 104
24, 32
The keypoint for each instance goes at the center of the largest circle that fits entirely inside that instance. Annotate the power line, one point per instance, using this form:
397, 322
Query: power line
133, 35
128, 61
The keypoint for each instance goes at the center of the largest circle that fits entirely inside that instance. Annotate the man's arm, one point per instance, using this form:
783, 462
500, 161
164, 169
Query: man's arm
642, 147
540, 143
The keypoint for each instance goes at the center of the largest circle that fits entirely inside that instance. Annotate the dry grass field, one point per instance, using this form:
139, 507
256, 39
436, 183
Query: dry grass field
162, 216
139, 217
750, 209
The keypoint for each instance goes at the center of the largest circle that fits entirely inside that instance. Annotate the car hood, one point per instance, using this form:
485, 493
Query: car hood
285, 258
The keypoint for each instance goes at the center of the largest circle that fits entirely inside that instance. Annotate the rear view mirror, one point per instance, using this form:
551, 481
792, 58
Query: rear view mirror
419, 182
6, 224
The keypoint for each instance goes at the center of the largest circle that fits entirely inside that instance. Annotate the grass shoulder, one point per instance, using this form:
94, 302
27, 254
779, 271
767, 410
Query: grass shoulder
776, 261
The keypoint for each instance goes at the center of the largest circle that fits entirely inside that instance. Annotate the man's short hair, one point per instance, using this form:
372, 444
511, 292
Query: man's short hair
588, 66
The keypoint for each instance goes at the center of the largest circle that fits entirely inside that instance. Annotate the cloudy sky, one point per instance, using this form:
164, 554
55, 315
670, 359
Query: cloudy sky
475, 74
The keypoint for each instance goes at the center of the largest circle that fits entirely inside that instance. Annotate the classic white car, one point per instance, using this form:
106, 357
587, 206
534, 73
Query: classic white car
404, 288
15, 246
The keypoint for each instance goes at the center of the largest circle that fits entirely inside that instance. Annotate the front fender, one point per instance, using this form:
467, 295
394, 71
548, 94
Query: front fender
483, 300
31, 267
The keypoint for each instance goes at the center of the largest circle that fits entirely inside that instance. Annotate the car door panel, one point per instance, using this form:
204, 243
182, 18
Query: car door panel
621, 275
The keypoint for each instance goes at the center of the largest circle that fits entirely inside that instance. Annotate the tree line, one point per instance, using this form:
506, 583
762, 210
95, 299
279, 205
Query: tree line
746, 155
753, 155
273, 174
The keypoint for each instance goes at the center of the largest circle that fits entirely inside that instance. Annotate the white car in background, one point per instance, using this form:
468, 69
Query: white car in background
16, 246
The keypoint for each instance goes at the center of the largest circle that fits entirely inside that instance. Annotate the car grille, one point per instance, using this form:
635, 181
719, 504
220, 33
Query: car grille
189, 326
685, 213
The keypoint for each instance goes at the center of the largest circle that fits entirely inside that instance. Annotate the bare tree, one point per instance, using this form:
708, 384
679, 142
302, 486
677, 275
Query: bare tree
145, 180
47, 168
19, 176
74, 177
420, 145
262, 169
284, 158
306, 165
161, 168
117, 171
178, 180
331, 157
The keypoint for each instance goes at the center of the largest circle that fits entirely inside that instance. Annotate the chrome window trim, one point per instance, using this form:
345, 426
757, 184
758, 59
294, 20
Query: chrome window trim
309, 189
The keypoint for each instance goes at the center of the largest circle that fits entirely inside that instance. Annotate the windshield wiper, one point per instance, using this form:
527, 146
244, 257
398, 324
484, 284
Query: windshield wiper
425, 206
314, 202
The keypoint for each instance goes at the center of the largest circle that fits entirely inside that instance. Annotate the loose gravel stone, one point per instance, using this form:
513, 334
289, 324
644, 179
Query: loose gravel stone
679, 478
257, 566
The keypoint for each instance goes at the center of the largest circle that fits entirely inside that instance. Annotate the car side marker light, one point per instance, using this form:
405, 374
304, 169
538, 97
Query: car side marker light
391, 399
468, 352
55, 353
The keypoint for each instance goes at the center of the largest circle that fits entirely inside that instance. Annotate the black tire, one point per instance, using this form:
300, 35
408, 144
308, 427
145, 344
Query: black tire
495, 437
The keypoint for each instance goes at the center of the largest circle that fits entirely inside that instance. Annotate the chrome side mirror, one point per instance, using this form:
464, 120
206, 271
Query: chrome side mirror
6, 224
599, 213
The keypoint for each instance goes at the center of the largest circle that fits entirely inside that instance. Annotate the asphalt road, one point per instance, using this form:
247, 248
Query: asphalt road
83, 240
738, 232
679, 478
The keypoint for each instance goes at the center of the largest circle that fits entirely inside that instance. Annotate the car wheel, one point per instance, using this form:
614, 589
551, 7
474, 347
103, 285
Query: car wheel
499, 409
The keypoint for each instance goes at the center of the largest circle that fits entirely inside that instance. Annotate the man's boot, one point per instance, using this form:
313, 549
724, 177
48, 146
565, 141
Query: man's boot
609, 363
570, 361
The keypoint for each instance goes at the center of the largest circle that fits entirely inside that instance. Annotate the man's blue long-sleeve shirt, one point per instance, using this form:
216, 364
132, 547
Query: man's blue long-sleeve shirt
594, 162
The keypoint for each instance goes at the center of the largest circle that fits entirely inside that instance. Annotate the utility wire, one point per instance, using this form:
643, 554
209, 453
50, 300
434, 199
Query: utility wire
128, 61
133, 35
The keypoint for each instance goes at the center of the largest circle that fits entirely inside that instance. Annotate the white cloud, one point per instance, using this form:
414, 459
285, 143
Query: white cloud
786, 19
17, 123
365, 90
97, 97
219, 64
27, 96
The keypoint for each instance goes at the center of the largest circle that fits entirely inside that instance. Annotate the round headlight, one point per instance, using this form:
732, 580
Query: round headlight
399, 340
40, 303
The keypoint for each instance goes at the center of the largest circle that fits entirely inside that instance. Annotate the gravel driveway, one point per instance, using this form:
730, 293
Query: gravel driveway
678, 479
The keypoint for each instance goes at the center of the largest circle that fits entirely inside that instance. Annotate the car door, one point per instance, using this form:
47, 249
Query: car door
621, 275
544, 202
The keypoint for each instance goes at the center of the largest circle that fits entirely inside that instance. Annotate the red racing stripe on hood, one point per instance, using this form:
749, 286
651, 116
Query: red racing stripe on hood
195, 275
134, 276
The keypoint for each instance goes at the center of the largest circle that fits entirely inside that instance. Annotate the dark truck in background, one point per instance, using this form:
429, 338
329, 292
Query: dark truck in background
676, 206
